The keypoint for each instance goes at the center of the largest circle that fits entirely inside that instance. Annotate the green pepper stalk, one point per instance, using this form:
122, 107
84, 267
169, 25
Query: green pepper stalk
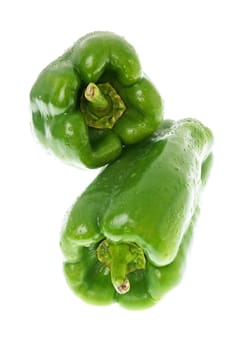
127, 236
121, 259
101, 106
93, 100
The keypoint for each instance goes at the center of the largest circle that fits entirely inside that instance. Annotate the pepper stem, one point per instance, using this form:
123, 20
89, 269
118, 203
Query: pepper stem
101, 105
121, 259
94, 95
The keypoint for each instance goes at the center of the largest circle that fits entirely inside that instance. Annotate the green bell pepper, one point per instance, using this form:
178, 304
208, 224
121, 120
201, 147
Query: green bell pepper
126, 238
93, 100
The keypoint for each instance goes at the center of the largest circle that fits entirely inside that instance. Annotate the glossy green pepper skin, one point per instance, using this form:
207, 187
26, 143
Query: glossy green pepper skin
93, 100
126, 238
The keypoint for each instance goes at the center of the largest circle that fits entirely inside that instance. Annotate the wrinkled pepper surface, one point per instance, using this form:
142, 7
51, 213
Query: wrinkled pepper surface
93, 100
127, 237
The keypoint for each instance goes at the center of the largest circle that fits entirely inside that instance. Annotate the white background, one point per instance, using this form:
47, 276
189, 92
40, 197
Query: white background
186, 47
